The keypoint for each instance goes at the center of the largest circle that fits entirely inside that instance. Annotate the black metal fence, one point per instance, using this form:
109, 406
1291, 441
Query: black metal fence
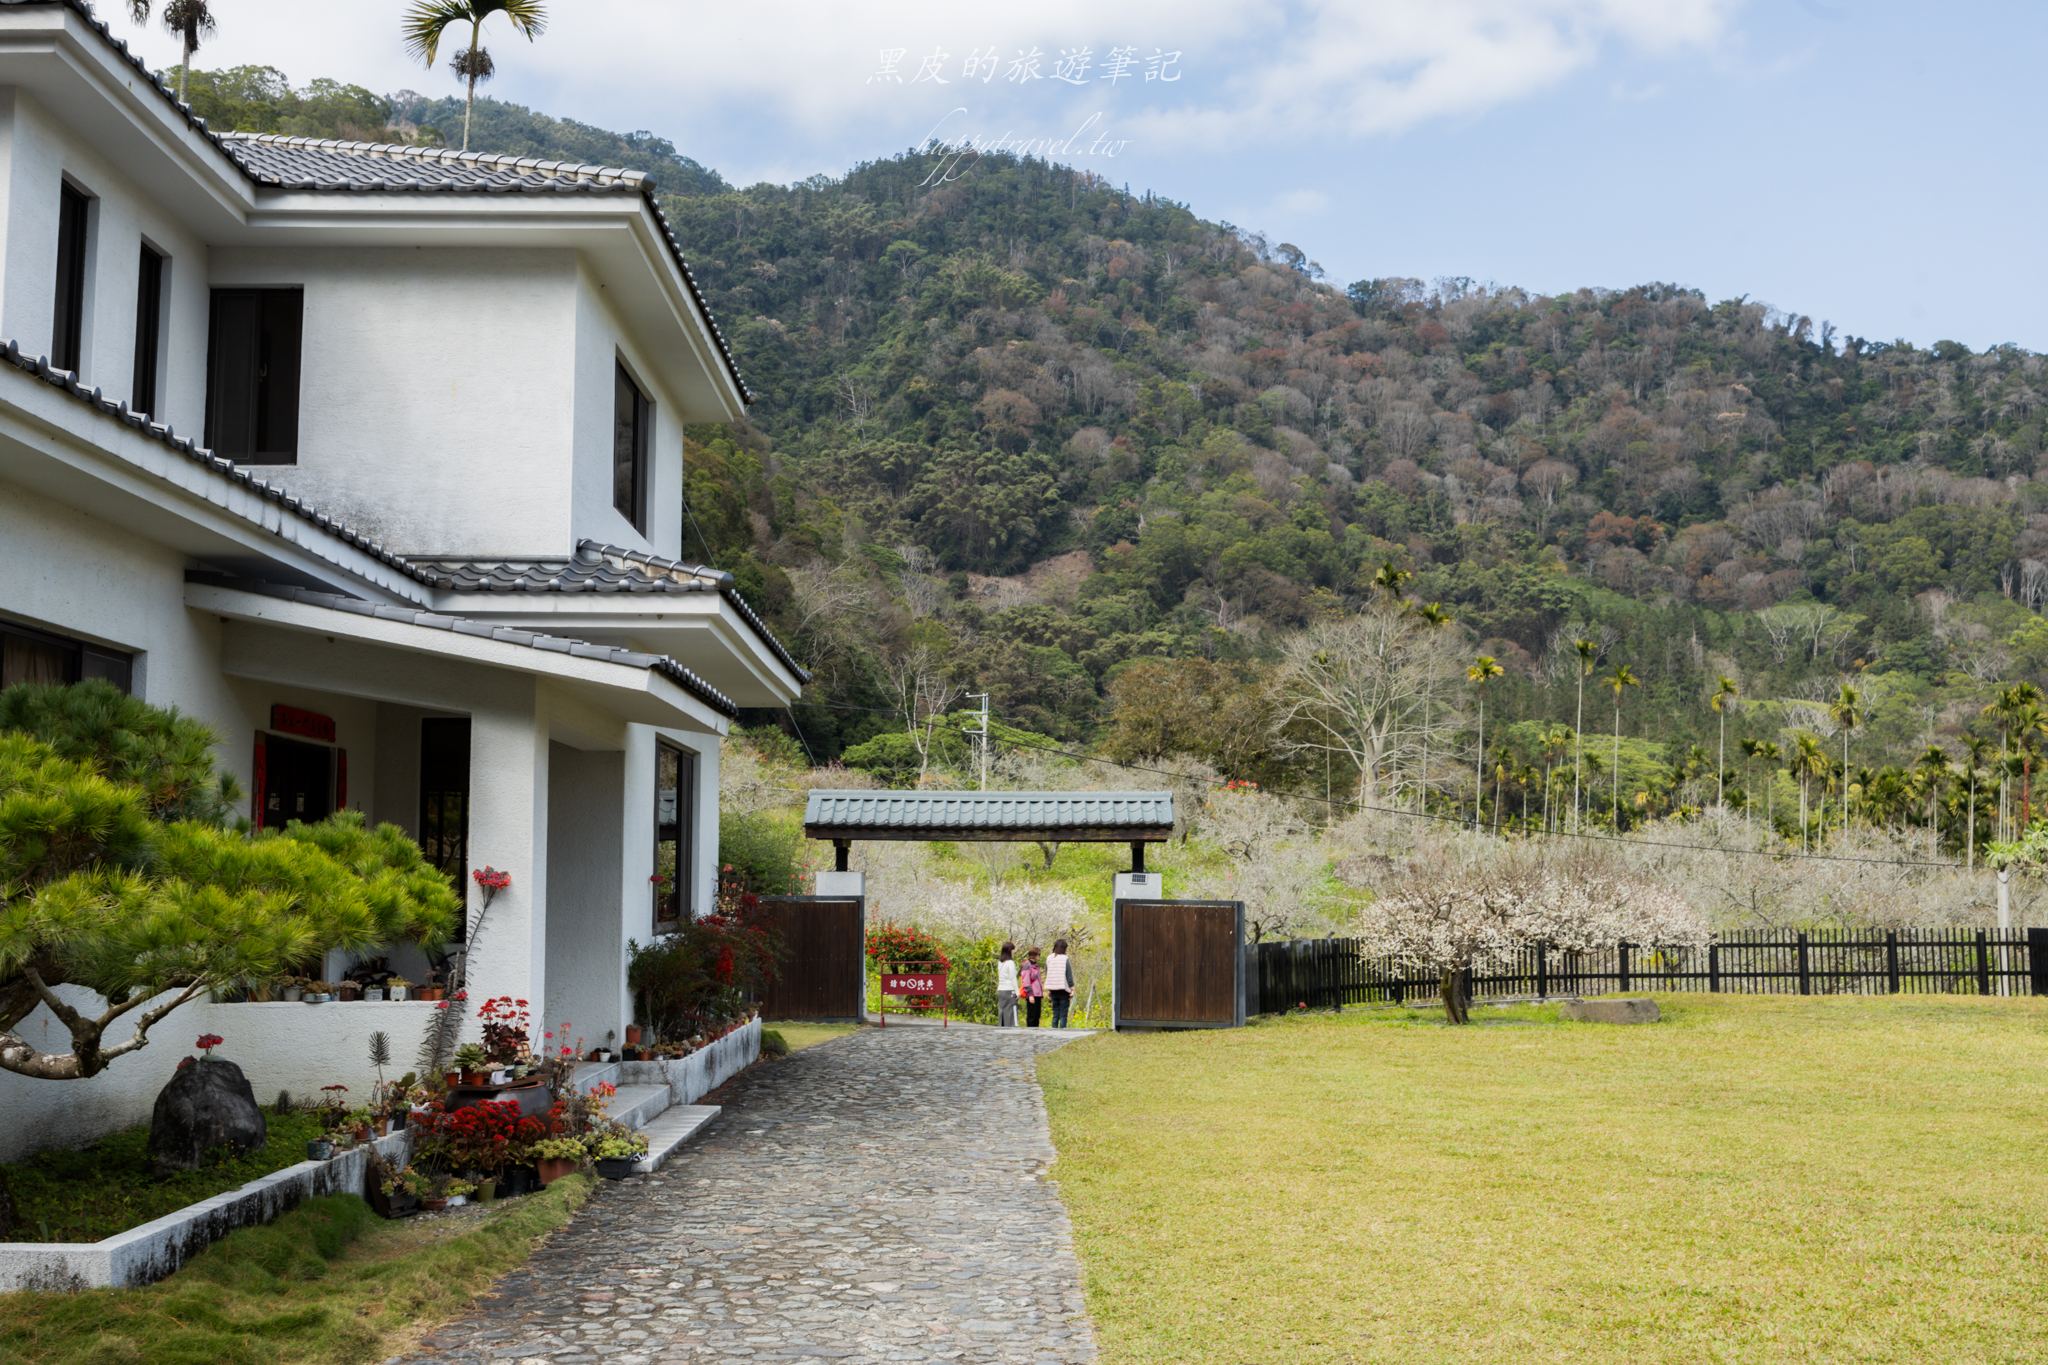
1324, 973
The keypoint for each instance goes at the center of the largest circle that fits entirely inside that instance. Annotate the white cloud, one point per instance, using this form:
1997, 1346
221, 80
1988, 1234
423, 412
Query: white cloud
1254, 72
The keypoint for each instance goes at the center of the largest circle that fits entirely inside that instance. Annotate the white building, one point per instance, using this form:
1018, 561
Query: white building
371, 458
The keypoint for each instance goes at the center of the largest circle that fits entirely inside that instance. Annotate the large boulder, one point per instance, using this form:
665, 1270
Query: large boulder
1611, 1011
207, 1106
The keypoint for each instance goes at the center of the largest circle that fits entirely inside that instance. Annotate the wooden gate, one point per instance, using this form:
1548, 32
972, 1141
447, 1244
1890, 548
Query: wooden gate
1179, 964
823, 959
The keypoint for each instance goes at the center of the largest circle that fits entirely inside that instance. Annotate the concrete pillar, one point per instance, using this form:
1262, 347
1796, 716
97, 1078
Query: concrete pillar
587, 927
508, 829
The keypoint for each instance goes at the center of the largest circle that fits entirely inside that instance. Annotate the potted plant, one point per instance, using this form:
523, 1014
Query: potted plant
617, 1151
473, 1062
430, 992
348, 990
556, 1157
318, 992
321, 1148
372, 992
294, 989
403, 1189
632, 1035
361, 1123
395, 987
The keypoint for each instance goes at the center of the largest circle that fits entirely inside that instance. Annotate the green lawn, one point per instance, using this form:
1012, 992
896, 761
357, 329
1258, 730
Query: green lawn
82, 1194
1751, 1179
800, 1036
328, 1282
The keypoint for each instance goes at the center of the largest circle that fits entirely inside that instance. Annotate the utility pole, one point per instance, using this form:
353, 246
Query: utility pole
981, 738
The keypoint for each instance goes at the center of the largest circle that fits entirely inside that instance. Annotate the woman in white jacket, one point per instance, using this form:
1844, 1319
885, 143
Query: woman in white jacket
1006, 986
1059, 982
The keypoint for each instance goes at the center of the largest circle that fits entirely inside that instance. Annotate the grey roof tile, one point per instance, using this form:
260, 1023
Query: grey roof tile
600, 568
879, 814
456, 625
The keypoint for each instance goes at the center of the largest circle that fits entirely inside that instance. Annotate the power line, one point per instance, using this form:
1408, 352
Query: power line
1460, 821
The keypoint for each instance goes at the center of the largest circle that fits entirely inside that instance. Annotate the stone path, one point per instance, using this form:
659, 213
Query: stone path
876, 1198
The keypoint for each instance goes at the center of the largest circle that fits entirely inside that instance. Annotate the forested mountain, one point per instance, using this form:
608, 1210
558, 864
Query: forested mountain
1025, 432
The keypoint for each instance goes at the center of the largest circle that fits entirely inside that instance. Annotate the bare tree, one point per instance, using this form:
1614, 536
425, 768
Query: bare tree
1355, 687
916, 677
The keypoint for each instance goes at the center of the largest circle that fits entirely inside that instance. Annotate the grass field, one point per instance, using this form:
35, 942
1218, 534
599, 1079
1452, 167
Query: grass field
800, 1036
329, 1282
1751, 1179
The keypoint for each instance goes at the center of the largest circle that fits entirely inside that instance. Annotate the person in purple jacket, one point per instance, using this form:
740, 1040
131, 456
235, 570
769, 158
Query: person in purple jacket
1031, 987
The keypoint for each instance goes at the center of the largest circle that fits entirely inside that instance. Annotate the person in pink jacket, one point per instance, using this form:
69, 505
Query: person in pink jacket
1031, 987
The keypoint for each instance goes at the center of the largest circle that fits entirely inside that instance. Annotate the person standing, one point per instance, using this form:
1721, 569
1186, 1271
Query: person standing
1006, 986
1031, 985
1059, 982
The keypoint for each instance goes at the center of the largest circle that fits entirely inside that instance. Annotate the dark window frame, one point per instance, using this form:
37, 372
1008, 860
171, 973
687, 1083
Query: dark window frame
82, 658
152, 267
631, 472
674, 904
444, 834
255, 354
74, 250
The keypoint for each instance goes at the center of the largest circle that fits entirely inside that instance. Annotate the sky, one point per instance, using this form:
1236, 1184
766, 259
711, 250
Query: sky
1874, 163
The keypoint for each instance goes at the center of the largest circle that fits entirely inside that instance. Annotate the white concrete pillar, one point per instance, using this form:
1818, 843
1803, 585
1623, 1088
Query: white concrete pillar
508, 829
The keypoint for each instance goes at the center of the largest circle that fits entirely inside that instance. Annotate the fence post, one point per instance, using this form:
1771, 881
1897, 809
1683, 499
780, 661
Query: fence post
1805, 972
1622, 952
2037, 959
1891, 961
1542, 974
1983, 963
1713, 968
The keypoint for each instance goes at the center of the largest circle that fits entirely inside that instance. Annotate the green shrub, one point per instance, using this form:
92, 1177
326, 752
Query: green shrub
760, 848
773, 1044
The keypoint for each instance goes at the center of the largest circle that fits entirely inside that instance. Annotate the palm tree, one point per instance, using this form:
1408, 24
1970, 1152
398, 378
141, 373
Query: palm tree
190, 20
1390, 579
427, 20
1848, 711
1809, 760
1752, 749
1770, 753
1976, 747
1484, 670
1621, 677
1432, 615
1589, 654
2029, 721
2003, 706
1725, 693
1556, 741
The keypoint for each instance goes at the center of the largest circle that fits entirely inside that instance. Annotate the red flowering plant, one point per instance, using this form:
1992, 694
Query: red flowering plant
479, 1138
905, 945
507, 1022
490, 881
707, 972
208, 1042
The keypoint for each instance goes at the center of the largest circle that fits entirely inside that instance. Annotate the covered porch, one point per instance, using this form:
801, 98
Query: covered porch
587, 772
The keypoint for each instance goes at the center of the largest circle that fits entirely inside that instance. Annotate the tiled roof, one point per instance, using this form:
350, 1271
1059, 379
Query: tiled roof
927, 814
601, 568
308, 163
460, 625
66, 381
328, 165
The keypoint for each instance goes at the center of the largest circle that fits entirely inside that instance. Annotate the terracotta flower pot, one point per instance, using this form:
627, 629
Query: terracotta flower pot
434, 1205
554, 1168
452, 1079
633, 1035
362, 1132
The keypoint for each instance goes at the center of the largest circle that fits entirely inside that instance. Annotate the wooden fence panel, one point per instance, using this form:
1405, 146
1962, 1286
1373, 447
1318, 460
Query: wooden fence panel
1325, 973
1179, 964
823, 958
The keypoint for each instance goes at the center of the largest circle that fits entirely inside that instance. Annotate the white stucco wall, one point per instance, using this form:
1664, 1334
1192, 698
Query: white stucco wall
40, 152
601, 342
585, 938
76, 575
436, 391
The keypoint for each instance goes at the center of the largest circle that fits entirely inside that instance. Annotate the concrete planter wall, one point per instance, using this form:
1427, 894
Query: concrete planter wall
691, 1078
152, 1251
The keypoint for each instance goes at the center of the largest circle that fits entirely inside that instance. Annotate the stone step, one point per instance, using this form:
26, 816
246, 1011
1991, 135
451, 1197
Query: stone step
590, 1074
669, 1131
637, 1105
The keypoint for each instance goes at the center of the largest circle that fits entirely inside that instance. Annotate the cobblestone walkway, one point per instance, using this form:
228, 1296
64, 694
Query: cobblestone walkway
876, 1198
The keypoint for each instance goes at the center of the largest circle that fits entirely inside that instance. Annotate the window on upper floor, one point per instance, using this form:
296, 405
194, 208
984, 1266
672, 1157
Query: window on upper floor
74, 223
28, 655
149, 327
252, 375
632, 435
